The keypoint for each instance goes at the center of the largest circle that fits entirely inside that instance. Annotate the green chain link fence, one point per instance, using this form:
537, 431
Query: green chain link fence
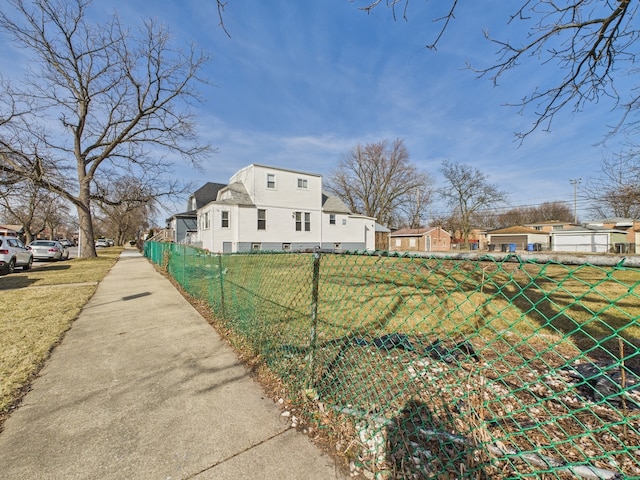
436, 367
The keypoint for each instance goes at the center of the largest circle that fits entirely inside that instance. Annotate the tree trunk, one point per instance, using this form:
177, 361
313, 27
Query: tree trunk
87, 246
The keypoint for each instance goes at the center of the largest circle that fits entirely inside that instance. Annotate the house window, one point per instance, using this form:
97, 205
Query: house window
255, 246
271, 181
303, 219
332, 219
344, 221
225, 219
398, 242
204, 221
262, 219
412, 242
302, 183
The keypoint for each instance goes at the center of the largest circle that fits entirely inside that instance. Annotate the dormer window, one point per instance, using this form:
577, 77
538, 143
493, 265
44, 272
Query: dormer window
271, 181
302, 183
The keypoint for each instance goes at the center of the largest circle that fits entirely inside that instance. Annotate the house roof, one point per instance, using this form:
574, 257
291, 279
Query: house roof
282, 169
237, 195
14, 228
577, 230
206, 194
193, 215
415, 232
516, 230
623, 220
549, 222
616, 222
333, 204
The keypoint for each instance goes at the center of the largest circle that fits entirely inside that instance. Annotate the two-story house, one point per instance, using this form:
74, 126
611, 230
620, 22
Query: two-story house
276, 209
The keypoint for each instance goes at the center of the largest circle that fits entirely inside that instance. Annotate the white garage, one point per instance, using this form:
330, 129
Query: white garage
588, 240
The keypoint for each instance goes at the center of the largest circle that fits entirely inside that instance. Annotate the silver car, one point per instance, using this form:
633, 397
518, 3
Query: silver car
48, 250
13, 253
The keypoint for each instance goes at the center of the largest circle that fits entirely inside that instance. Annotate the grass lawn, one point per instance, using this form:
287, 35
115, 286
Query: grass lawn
526, 323
38, 306
579, 308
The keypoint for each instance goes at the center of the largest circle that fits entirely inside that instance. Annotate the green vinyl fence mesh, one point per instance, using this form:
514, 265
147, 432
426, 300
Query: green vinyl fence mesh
435, 367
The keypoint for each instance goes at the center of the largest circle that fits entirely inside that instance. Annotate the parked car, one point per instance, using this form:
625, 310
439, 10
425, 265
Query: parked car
111, 242
102, 242
48, 250
14, 253
65, 243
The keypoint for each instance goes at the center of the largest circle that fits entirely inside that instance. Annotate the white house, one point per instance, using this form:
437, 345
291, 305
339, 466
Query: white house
275, 209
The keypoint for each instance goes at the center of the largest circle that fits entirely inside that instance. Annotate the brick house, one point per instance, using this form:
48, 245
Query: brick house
432, 239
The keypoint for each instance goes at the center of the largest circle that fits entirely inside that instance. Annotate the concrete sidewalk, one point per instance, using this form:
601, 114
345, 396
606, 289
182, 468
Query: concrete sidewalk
143, 388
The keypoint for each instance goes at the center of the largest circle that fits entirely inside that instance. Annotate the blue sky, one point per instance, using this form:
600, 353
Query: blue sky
299, 83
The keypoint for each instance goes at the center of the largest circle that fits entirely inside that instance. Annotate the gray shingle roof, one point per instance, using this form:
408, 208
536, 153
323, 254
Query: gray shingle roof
238, 195
206, 194
333, 204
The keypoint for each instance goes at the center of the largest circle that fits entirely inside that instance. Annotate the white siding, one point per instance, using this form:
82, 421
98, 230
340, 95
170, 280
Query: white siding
348, 231
286, 192
205, 235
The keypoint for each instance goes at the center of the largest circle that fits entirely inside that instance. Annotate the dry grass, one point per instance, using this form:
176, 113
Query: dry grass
38, 307
526, 321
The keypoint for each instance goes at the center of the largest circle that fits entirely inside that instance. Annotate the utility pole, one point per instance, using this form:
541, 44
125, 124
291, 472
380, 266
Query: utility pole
575, 182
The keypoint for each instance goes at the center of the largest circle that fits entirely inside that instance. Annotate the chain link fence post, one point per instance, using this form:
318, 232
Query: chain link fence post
313, 333
221, 284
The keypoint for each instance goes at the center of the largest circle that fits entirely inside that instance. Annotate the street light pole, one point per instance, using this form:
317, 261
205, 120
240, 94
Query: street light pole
575, 182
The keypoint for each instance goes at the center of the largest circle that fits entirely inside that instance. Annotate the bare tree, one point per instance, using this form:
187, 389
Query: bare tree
468, 191
378, 180
413, 210
616, 191
32, 207
587, 42
126, 209
97, 100
544, 212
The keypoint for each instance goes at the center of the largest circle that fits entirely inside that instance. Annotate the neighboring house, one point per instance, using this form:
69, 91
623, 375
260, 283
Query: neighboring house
629, 225
11, 230
522, 238
477, 239
589, 239
550, 226
183, 227
432, 239
275, 209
